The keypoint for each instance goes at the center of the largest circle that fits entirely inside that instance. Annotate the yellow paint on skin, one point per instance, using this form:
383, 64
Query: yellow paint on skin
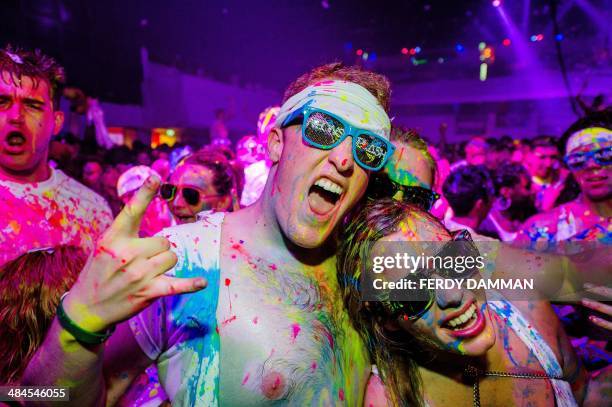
15, 226
87, 320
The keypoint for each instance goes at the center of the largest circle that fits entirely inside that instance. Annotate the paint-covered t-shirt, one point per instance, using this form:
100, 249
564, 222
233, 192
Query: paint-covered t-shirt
58, 211
179, 332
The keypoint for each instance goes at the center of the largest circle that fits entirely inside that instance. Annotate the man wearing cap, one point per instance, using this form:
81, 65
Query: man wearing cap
270, 326
40, 206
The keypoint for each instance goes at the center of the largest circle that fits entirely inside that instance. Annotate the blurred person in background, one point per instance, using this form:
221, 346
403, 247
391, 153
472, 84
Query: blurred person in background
40, 206
499, 152
547, 175
513, 202
219, 133
256, 172
109, 188
92, 174
157, 215
162, 167
470, 192
409, 175
203, 181
588, 155
475, 153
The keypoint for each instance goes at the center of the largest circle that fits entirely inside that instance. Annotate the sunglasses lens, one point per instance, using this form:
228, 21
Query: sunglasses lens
413, 307
323, 130
604, 156
576, 161
191, 196
167, 191
370, 151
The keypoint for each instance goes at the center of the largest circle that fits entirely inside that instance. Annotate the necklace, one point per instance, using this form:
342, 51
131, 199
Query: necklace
474, 373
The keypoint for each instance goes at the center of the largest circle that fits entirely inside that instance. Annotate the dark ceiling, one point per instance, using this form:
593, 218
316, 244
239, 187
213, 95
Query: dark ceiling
267, 43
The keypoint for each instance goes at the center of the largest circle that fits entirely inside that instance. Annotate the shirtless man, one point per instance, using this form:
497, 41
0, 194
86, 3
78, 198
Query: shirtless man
271, 305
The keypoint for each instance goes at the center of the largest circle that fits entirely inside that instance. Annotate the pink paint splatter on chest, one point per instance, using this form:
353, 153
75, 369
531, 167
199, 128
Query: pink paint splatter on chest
295, 331
246, 378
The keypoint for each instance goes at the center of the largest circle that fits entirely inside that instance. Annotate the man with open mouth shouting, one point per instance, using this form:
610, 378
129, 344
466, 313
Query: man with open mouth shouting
40, 206
270, 326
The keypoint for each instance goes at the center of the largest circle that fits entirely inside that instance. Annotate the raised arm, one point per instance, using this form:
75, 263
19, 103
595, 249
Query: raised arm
123, 275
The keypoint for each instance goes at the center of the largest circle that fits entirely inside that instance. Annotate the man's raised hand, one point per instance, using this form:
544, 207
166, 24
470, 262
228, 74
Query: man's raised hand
125, 273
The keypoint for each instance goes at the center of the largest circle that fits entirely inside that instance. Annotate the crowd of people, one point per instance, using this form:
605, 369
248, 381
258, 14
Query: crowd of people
205, 275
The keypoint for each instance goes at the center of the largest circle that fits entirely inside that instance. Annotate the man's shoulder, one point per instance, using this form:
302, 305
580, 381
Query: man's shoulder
198, 242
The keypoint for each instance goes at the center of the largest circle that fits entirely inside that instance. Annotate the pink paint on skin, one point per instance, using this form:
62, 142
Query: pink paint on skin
255, 320
229, 295
229, 320
246, 378
295, 330
273, 385
330, 339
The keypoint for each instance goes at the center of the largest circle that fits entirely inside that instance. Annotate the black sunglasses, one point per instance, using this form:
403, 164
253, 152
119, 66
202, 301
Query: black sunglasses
381, 186
191, 195
422, 299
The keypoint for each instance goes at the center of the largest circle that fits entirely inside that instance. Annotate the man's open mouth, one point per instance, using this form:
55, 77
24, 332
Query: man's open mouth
15, 139
323, 196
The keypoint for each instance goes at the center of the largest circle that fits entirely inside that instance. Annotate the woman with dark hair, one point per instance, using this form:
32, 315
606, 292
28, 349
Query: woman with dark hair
203, 181
454, 344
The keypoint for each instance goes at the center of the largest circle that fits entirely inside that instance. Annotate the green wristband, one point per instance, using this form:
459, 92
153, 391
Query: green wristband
81, 335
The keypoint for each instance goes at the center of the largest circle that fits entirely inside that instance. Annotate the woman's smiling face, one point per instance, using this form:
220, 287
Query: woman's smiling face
458, 320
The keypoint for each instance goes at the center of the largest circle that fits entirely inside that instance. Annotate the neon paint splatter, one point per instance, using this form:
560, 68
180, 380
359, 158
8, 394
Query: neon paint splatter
246, 378
295, 331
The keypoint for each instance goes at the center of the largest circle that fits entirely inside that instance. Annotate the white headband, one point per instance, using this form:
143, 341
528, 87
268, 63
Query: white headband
592, 136
348, 100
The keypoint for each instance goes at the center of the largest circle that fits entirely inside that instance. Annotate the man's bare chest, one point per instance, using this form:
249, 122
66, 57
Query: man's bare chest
285, 336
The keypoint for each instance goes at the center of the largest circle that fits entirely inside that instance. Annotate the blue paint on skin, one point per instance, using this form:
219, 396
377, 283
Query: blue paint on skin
194, 316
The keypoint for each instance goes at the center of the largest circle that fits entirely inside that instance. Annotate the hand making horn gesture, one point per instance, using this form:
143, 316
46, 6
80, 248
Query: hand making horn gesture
125, 273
